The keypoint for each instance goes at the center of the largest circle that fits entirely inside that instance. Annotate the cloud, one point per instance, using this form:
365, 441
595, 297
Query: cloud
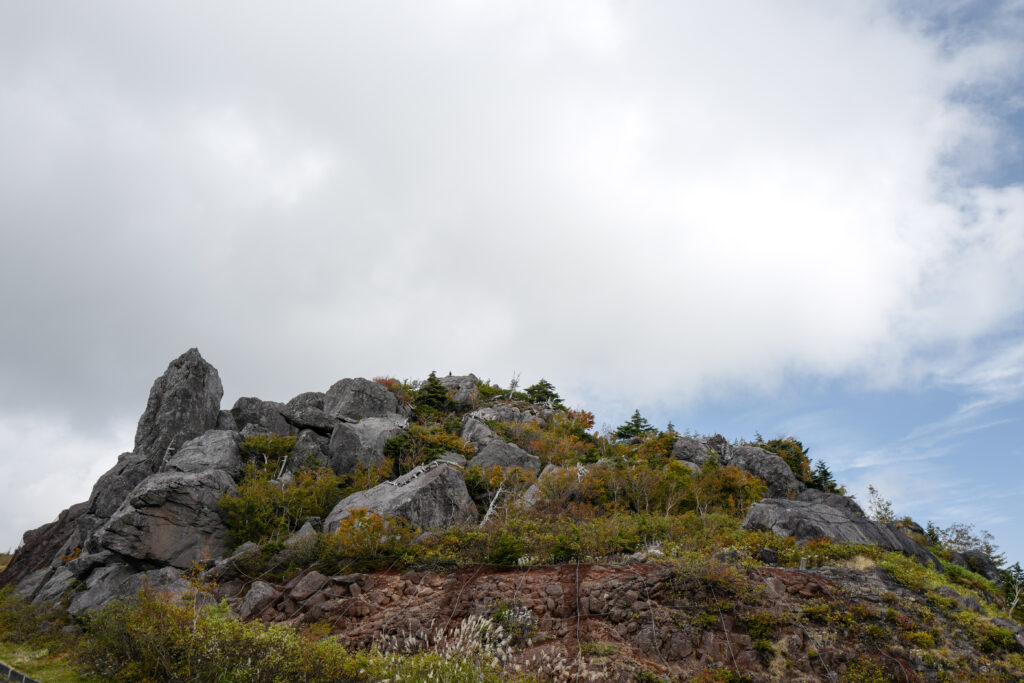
640, 202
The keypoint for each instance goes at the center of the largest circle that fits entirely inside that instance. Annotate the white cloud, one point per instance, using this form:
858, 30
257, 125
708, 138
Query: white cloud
642, 202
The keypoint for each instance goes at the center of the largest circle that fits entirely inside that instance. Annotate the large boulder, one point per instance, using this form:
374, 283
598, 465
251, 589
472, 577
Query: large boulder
769, 467
506, 456
688, 449
430, 496
183, 403
172, 518
214, 450
804, 520
258, 413
362, 442
354, 399
306, 411
463, 388
476, 431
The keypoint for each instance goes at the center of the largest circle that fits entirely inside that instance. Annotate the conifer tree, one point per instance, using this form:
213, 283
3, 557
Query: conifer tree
544, 392
635, 426
433, 394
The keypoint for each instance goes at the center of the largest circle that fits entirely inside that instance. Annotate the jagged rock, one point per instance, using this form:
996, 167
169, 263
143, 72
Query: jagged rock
769, 467
430, 496
84, 564
354, 399
505, 455
260, 596
362, 442
266, 414
835, 500
309, 447
214, 450
183, 403
39, 546
170, 518
804, 520
508, 412
977, 561
464, 387
30, 585
476, 431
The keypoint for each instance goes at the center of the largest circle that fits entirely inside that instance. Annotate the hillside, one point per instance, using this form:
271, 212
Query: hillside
454, 528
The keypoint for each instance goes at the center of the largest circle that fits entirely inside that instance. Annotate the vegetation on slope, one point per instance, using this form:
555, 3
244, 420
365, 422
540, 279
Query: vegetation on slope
618, 497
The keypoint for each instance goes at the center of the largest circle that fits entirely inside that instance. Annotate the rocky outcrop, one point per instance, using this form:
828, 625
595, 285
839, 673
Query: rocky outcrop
183, 403
805, 520
506, 456
476, 431
463, 388
843, 503
978, 561
39, 546
362, 442
769, 467
430, 496
354, 399
171, 518
310, 449
214, 450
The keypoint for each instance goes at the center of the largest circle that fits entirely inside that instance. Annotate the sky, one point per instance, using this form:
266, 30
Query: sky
773, 217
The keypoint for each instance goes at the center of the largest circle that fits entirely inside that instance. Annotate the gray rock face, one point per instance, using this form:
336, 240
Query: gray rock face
266, 414
844, 503
772, 469
39, 546
769, 467
804, 520
464, 387
362, 442
171, 518
430, 496
116, 581
476, 431
691, 450
183, 403
308, 417
308, 399
505, 455
354, 399
214, 450
310, 448
115, 484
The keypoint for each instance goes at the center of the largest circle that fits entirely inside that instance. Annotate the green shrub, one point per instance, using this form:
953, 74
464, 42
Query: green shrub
267, 510
507, 550
420, 444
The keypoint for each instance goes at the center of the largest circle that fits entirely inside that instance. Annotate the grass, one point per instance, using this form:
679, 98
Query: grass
41, 663
5, 559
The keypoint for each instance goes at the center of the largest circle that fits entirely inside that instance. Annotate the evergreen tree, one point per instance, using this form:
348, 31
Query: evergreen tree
635, 426
544, 392
433, 394
821, 478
